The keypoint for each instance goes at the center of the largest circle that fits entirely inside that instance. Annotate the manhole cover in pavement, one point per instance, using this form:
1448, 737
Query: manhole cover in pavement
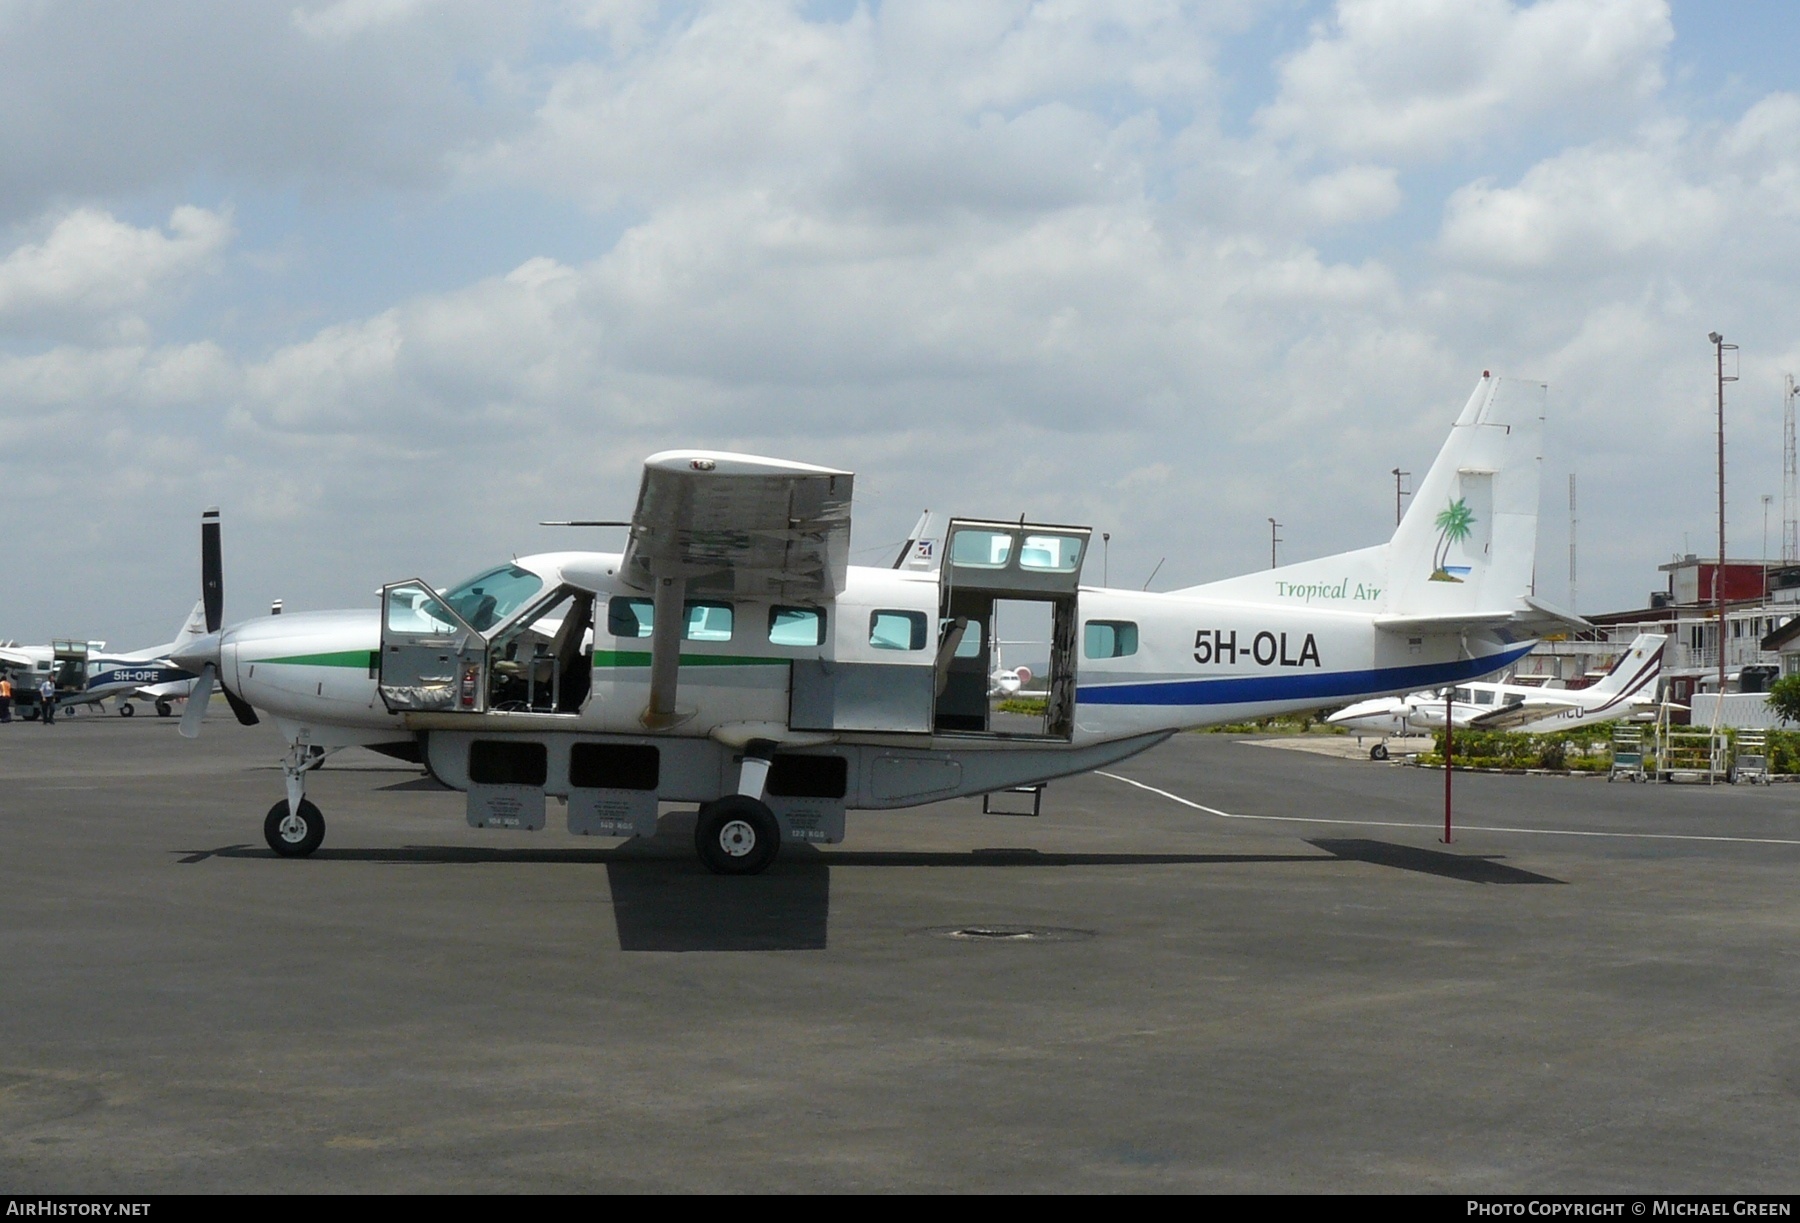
989, 933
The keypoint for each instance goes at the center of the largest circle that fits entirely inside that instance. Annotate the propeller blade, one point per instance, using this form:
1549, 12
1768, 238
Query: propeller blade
198, 700
212, 569
246, 715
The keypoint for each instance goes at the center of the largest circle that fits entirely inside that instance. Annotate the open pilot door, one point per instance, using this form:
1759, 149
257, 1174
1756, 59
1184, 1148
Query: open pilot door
431, 659
986, 563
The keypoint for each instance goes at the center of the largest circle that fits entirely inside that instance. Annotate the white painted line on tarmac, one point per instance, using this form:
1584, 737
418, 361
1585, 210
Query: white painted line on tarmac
1537, 832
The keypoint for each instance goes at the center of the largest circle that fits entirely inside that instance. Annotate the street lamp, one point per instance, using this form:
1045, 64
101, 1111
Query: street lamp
1719, 349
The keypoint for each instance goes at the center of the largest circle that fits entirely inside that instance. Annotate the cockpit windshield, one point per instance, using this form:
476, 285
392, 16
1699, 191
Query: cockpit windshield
488, 598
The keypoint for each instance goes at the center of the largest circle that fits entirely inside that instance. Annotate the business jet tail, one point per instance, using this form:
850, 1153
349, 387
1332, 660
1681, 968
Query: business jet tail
193, 628
1636, 671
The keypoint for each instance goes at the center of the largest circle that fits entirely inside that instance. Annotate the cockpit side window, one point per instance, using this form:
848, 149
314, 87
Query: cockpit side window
488, 598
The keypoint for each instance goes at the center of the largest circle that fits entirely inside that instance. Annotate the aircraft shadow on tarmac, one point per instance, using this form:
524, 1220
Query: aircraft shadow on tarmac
1469, 868
664, 900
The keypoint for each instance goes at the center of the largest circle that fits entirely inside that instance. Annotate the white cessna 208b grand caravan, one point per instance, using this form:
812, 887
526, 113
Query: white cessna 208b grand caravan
730, 656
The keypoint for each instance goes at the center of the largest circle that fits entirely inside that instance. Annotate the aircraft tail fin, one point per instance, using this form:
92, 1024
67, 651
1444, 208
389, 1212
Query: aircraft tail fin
191, 628
920, 551
1636, 671
1462, 557
1468, 542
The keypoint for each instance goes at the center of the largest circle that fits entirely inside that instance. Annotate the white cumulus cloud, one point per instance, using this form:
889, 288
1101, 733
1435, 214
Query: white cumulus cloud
91, 265
1415, 79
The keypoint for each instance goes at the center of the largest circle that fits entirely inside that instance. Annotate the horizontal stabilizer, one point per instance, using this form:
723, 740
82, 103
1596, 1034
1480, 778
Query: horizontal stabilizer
1532, 618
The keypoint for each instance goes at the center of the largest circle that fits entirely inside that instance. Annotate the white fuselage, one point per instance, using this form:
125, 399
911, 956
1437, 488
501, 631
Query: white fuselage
1192, 661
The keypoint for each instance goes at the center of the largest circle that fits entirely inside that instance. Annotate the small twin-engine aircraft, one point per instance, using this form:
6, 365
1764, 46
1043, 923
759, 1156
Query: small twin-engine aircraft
731, 657
1627, 690
86, 674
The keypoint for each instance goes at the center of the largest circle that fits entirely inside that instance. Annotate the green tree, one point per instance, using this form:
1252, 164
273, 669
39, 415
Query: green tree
1453, 523
1784, 697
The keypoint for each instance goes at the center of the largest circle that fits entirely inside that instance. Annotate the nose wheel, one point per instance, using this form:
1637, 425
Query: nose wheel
737, 835
294, 834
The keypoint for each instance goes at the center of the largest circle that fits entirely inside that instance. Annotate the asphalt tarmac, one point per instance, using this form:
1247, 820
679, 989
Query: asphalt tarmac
1264, 974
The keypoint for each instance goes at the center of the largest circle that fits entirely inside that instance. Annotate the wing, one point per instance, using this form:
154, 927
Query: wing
731, 524
1520, 713
739, 524
15, 658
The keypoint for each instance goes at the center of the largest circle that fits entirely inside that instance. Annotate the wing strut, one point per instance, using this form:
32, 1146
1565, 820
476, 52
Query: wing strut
668, 598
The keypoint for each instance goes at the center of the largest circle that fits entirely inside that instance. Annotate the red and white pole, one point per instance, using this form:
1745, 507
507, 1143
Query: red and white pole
1449, 731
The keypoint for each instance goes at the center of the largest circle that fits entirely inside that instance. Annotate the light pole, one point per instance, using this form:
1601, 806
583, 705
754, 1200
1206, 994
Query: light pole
1273, 540
1766, 499
1399, 492
1105, 556
1719, 349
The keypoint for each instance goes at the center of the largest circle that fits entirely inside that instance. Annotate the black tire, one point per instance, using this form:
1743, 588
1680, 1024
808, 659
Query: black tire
127, 709
737, 836
1378, 752
163, 708
294, 839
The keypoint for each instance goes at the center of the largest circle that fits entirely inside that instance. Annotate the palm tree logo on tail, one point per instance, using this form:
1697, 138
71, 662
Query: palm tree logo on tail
1453, 523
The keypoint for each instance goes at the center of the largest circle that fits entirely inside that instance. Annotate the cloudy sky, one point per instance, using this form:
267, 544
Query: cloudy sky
391, 280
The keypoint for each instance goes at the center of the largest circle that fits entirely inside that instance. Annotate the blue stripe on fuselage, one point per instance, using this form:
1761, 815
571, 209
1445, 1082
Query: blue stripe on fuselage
1320, 686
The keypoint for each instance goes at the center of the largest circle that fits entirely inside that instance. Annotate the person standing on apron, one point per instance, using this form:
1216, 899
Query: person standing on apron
47, 695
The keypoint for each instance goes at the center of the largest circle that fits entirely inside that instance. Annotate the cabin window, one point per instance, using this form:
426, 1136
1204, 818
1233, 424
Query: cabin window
708, 622
897, 630
796, 626
981, 549
626, 617
1110, 639
1483, 697
1051, 553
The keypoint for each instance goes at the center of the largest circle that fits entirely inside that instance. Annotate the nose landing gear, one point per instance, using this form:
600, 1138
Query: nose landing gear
294, 828
294, 834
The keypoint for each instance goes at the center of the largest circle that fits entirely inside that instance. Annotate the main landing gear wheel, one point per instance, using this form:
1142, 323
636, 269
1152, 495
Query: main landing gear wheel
294, 836
737, 835
125, 711
1378, 752
163, 708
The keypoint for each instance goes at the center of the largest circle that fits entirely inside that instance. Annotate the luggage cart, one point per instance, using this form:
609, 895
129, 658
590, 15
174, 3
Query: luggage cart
1752, 757
1627, 754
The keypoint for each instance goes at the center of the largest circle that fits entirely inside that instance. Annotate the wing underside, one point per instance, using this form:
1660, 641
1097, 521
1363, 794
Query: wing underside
741, 525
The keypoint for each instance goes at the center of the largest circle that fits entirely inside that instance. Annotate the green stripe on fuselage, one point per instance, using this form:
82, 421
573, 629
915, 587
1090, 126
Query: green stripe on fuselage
641, 658
362, 660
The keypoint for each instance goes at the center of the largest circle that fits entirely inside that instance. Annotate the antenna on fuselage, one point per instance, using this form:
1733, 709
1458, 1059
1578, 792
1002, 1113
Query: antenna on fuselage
1153, 573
